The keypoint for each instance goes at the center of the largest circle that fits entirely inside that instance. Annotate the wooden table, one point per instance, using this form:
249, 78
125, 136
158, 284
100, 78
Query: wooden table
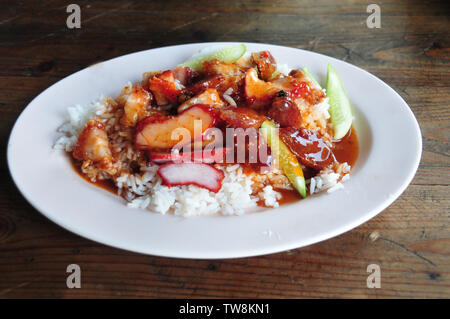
410, 240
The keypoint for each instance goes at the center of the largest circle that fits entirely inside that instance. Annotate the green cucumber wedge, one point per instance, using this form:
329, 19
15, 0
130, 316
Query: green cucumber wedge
340, 109
229, 54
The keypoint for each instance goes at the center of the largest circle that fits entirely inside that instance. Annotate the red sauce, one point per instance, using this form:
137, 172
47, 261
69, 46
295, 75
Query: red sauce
288, 196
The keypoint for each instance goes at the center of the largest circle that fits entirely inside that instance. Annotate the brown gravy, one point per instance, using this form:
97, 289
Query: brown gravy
347, 149
106, 184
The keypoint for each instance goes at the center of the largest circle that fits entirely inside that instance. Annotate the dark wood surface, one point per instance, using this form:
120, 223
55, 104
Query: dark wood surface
410, 240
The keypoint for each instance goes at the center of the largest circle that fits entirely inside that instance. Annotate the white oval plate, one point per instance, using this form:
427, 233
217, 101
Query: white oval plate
390, 149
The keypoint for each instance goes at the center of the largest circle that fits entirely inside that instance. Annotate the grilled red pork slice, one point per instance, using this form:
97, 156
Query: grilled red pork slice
164, 88
93, 144
209, 156
241, 117
308, 147
266, 64
158, 131
210, 97
135, 108
285, 112
258, 93
201, 175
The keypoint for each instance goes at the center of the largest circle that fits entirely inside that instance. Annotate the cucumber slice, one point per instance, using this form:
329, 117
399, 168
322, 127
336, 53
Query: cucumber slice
340, 109
230, 55
309, 75
287, 160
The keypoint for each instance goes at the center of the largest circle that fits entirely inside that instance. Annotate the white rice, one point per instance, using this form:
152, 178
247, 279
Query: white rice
227, 97
329, 180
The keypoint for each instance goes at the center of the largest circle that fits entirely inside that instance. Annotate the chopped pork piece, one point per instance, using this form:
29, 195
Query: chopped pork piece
164, 132
266, 64
218, 67
146, 76
232, 74
93, 144
258, 93
165, 88
135, 108
185, 75
208, 82
210, 97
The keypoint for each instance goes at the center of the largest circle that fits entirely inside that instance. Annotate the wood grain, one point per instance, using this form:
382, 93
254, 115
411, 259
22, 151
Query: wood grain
410, 240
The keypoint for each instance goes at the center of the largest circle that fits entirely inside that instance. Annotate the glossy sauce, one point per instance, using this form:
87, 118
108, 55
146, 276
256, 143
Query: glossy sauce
309, 148
288, 196
346, 150
105, 184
